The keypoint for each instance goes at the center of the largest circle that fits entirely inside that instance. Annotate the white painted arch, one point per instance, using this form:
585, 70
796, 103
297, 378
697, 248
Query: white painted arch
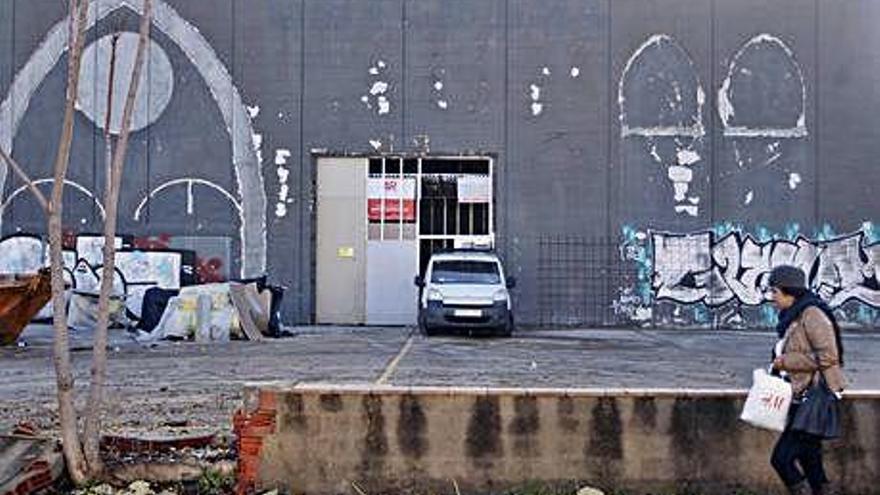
199, 52
189, 183
79, 187
661, 41
725, 106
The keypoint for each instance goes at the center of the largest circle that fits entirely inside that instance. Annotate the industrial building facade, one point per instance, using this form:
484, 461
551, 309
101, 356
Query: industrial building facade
635, 162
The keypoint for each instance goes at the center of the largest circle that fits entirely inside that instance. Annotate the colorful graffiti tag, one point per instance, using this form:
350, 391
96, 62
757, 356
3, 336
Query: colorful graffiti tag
718, 267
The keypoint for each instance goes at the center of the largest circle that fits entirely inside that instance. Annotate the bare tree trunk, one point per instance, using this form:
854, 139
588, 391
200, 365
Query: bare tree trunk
78, 14
111, 201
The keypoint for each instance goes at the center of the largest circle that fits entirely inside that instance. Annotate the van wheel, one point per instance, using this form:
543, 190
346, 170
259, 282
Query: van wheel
507, 330
424, 329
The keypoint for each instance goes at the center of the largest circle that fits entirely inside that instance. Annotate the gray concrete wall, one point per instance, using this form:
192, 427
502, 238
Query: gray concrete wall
767, 110
321, 439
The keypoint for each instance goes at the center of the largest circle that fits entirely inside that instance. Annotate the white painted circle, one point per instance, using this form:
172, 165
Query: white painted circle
154, 92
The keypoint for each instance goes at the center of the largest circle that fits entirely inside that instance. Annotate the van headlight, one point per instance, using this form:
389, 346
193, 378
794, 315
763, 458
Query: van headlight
435, 295
500, 296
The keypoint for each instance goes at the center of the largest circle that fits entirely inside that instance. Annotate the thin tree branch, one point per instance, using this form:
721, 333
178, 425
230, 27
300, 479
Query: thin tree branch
111, 202
41, 198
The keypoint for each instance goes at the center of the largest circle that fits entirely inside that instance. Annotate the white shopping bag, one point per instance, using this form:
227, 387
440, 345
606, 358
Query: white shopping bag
768, 402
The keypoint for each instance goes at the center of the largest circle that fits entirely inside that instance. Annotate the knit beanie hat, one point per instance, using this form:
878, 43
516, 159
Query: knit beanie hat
788, 277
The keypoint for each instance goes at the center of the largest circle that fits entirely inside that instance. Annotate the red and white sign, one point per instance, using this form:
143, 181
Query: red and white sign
399, 194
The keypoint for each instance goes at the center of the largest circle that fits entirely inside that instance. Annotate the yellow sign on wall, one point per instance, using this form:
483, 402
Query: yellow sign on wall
345, 252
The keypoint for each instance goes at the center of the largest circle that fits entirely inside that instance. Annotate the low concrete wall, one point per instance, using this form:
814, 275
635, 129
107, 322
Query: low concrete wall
320, 439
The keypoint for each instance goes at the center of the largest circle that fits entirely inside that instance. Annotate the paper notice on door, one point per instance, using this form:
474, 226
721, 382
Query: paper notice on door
474, 189
345, 252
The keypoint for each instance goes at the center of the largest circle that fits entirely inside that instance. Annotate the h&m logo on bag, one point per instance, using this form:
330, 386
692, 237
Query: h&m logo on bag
773, 402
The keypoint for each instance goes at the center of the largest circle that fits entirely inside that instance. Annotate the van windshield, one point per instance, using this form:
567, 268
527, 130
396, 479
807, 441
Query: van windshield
465, 272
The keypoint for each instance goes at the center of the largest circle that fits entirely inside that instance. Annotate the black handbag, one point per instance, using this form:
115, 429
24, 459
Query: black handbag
818, 412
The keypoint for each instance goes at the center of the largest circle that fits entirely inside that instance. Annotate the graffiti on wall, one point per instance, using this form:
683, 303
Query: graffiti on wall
724, 265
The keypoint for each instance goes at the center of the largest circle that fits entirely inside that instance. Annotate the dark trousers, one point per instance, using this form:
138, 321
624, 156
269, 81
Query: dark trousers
798, 456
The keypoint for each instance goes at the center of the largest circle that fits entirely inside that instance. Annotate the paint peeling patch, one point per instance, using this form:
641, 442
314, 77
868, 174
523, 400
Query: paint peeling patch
575, 72
281, 156
545, 71
535, 95
680, 174
794, 179
750, 196
441, 100
384, 105
379, 87
688, 157
253, 111
376, 144
376, 97
654, 153
535, 92
537, 108
689, 209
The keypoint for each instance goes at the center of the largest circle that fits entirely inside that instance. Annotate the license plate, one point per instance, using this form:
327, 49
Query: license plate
468, 313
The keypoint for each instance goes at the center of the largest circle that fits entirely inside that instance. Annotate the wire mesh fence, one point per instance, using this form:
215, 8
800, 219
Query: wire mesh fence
577, 278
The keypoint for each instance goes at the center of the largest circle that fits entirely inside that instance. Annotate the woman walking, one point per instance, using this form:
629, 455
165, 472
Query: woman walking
809, 348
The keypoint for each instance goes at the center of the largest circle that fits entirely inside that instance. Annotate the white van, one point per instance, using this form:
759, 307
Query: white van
465, 290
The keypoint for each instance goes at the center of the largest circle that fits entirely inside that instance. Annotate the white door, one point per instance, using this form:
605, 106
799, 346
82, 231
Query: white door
341, 241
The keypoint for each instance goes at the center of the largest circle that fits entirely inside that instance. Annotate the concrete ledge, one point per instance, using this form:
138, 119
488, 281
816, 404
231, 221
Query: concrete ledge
320, 438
